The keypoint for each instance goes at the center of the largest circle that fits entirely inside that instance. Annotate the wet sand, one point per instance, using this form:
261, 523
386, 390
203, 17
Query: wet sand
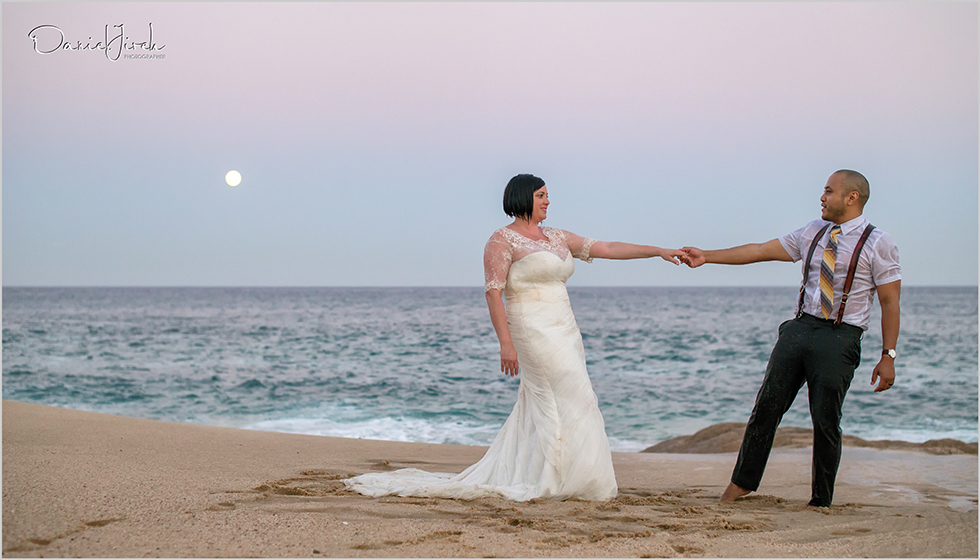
86, 484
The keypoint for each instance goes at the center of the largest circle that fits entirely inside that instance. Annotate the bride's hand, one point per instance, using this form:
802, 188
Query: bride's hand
508, 361
671, 255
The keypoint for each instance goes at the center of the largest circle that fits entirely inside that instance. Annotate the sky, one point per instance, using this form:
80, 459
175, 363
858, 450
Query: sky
374, 140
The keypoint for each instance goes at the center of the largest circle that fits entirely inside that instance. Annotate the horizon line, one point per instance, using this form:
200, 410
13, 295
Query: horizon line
794, 286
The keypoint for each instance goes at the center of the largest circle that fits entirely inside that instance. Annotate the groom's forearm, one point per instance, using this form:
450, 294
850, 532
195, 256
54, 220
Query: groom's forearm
888, 297
743, 254
750, 253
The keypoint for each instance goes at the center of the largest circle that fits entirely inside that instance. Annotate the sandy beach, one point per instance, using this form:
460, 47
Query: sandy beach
87, 484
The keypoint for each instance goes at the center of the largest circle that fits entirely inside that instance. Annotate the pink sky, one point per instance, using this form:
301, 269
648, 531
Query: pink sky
667, 97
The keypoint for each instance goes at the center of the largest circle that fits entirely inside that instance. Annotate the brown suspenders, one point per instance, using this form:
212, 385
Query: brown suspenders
806, 268
850, 270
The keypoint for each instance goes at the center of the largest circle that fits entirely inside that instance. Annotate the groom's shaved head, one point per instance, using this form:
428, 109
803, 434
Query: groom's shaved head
854, 181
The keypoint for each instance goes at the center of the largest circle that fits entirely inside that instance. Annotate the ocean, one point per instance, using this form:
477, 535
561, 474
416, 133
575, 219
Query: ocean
422, 364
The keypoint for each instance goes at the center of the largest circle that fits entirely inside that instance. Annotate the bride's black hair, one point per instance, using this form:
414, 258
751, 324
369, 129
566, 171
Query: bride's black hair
519, 195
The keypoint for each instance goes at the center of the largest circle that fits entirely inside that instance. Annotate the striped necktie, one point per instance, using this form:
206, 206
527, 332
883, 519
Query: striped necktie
827, 274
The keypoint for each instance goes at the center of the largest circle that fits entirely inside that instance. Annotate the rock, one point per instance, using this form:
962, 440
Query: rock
726, 437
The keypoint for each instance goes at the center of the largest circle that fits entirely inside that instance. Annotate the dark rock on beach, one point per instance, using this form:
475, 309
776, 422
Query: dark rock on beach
727, 438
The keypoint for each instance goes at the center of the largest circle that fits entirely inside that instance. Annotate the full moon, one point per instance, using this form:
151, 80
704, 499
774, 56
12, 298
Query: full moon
233, 178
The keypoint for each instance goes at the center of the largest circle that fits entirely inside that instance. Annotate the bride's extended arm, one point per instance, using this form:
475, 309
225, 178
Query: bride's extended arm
623, 251
498, 316
620, 251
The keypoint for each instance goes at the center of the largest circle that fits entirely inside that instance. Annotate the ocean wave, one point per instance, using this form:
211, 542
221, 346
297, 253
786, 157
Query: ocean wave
422, 364
417, 430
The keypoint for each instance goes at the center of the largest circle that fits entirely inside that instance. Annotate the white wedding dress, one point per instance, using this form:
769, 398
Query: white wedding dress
554, 443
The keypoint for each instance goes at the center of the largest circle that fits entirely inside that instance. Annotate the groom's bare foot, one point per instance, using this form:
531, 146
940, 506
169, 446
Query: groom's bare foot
733, 491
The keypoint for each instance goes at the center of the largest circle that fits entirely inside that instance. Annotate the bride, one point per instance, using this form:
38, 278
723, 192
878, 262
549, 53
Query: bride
554, 443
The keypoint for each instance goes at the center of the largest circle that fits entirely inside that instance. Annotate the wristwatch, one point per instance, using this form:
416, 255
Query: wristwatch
890, 353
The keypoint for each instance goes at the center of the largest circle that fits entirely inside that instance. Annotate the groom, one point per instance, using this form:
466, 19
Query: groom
822, 345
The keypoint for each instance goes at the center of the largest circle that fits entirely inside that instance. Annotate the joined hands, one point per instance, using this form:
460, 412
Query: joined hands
691, 256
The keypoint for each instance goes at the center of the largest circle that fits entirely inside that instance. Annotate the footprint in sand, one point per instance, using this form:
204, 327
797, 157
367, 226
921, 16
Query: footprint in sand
42, 542
103, 522
850, 532
685, 549
223, 506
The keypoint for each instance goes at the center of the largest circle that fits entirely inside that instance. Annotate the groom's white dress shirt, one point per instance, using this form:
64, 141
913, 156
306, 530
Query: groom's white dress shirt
877, 266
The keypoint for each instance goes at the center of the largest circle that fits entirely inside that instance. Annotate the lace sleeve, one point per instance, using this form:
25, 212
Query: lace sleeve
497, 256
579, 246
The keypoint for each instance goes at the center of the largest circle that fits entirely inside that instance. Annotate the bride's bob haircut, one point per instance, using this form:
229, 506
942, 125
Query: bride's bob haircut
519, 195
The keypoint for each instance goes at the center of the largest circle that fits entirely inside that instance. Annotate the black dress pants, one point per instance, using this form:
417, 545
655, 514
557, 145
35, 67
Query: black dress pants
824, 356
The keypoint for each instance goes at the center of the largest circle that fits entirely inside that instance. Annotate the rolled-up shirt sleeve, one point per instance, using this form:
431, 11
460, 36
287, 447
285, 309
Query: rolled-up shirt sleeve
885, 268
